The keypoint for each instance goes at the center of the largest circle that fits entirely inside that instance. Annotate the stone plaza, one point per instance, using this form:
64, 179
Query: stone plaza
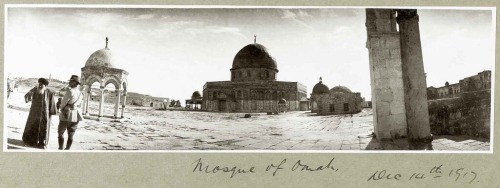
149, 129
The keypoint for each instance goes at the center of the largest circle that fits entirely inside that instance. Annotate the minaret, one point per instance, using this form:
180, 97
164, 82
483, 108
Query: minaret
255, 39
106, 42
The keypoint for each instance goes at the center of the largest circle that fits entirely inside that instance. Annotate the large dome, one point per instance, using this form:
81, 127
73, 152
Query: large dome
254, 56
341, 89
102, 57
320, 88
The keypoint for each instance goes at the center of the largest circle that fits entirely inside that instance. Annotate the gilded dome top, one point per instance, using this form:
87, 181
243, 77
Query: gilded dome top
254, 56
341, 89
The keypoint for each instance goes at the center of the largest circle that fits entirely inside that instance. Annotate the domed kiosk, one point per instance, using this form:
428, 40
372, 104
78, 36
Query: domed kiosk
101, 68
338, 100
252, 86
195, 102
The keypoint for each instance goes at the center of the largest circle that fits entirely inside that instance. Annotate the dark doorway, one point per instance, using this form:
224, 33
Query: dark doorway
222, 106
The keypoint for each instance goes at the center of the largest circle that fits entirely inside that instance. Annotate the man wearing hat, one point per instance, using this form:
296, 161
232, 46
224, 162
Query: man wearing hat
42, 107
70, 112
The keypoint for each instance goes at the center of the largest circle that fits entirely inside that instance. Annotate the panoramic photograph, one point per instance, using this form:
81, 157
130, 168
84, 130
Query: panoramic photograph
181, 78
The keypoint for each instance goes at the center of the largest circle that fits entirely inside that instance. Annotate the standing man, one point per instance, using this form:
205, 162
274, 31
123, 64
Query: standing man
70, 112
42, 107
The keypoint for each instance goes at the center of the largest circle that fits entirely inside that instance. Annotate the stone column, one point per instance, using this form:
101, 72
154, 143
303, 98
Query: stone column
85, 93
117, 104
87, 99
101, 103
389, 113
124, 101
415, 86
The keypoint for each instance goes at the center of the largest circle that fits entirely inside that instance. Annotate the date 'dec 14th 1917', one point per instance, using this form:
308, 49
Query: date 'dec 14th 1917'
437, 172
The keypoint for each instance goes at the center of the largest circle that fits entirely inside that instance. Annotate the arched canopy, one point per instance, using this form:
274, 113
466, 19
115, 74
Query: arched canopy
113, 80
91, 80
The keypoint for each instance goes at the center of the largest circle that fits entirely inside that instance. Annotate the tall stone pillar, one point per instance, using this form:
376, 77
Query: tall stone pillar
388, 104
124, 101
415, 86
101, 103
117, 104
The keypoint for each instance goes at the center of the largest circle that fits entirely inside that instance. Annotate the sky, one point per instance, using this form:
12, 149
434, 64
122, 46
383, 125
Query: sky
172, 52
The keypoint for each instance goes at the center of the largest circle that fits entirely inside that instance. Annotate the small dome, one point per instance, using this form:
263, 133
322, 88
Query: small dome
282, 101
320, 88
254, 56
102, 58
341, 89
195, 95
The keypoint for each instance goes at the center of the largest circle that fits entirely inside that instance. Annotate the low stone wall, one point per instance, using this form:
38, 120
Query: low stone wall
468, 114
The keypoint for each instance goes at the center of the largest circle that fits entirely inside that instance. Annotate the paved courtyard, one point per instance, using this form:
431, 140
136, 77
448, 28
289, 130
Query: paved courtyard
148, 129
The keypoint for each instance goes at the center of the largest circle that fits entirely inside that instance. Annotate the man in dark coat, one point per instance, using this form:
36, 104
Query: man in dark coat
42, 107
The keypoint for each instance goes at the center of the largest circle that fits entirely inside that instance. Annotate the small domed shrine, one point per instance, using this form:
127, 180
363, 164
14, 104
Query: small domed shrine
318, 89
100, 67
338, 100
252, 86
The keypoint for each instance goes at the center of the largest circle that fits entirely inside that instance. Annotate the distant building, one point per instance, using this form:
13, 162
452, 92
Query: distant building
161, 105
159, 102
474, 83
366, 104
338, 100
253, 86
462, 108
304, 104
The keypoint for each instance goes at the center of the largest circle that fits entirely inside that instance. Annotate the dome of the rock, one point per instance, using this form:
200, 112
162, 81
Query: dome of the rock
254, 56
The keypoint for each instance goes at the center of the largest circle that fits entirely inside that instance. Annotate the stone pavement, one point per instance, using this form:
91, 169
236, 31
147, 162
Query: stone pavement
147, 129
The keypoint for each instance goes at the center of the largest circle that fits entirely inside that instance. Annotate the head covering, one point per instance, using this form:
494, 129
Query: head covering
75, 78
43, 81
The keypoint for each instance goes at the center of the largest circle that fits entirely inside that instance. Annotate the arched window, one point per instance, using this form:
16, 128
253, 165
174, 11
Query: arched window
267, 74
